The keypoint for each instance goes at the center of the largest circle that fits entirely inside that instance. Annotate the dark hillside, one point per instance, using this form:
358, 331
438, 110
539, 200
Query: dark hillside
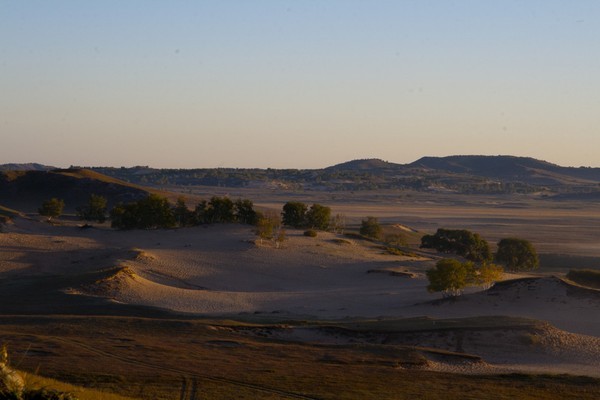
26, 190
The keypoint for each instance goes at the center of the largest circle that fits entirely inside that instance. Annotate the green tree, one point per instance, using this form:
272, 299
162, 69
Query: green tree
182, 214
318, 217
370, 227
95, 210
52, 208
294, 214
244, 212
459, 241
488, 274
449, 276
517, 254
268, 226
220, 210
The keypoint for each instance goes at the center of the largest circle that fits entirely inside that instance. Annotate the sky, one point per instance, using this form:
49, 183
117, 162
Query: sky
297, 84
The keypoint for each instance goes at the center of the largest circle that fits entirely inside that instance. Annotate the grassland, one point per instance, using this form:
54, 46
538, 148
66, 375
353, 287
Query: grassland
148, 358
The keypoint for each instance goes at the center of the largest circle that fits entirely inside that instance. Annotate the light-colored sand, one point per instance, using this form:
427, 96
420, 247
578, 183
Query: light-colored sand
221, 270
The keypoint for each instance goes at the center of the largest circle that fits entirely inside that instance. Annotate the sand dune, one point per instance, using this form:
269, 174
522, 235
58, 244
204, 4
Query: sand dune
223, 271
550, 299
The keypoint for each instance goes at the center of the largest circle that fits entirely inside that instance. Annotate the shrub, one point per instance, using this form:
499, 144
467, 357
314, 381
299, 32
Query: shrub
370, 227
449, 276
310, 233
52, 208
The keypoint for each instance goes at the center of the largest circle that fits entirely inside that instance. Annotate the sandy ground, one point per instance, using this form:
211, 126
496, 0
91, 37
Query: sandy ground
220, 270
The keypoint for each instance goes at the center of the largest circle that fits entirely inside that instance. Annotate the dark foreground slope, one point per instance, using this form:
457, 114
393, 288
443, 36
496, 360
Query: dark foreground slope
26, 190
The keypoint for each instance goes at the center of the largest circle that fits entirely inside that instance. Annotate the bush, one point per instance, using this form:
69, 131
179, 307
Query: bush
52, 208
370, 227
310, 233
449, 276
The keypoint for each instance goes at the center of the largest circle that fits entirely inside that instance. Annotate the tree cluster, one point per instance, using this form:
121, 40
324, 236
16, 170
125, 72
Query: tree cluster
155, 212
298, 215
451, 276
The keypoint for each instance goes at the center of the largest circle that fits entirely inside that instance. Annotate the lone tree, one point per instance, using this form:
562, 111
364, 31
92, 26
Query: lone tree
52, 208
95, 210
459, 241
449, 276
268, 227
294, 214
517, 254
370, 227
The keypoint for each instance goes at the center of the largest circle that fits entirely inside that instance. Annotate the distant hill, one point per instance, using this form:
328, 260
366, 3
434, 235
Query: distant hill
26, 190
25, 167
513, 169
461, 174
368, 164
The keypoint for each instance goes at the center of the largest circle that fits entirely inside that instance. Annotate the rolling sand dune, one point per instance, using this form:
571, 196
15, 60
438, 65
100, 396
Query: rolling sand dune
222, 270
567, 306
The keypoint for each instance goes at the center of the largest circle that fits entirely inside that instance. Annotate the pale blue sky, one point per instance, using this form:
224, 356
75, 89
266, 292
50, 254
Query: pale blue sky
297, 84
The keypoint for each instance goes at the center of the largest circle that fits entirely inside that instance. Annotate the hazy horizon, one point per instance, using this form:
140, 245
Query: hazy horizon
255, 167
297, 84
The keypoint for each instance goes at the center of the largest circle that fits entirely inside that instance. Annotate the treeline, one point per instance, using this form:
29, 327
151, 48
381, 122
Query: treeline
155, 212
320, 179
